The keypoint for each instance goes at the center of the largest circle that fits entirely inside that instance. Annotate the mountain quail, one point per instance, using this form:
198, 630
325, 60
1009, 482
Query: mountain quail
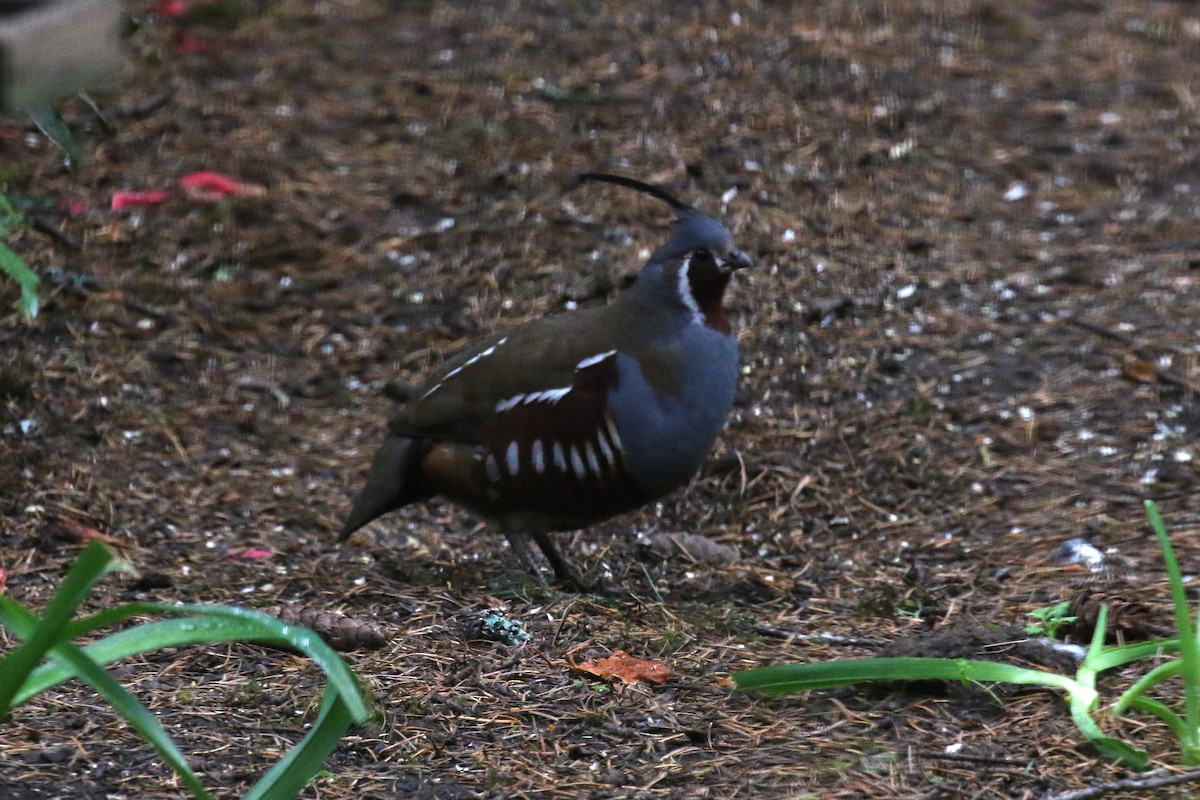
571, 419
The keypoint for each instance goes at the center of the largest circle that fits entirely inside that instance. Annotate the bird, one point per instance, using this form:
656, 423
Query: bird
571, 419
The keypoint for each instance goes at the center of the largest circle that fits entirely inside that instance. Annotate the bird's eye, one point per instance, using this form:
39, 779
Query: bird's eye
702, 255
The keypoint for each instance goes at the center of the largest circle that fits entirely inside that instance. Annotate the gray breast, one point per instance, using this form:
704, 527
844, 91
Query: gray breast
666, 435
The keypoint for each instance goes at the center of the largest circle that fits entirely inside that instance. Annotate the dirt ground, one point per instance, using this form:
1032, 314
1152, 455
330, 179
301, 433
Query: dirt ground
972, 336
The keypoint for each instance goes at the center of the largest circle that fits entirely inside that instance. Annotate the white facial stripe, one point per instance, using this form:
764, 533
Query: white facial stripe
560, 458
591, 361
537, 457
493, 469
482, 354
577, 464
685, 290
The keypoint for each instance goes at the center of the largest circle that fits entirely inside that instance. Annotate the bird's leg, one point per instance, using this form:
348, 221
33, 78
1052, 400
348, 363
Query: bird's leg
518, 537
519, 540
562, 570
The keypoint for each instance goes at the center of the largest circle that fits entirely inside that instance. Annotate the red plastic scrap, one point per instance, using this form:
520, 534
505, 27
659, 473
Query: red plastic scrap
187, 44
71, 206
204, 186
169, 8
124, 199
215, 186
252, 553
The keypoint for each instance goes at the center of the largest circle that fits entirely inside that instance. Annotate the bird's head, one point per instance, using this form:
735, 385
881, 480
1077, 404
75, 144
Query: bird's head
694, 266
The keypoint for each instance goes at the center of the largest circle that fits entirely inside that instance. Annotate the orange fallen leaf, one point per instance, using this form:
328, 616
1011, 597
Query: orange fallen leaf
630, 669
1139, 370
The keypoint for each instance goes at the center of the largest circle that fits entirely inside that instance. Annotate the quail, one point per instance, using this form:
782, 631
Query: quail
571, 419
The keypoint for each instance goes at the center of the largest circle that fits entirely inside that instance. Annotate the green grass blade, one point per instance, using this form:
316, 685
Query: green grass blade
788, 678
132, 641
1113, 748
1112, 657
109, 127
95, 560
51, 123
1089, 669
1096, 646
122, 701
282, 634
1160, 710
297, 767
137, 715
1081, 697
1162, 672
110, 616
204, 623
26, 279
49, 637
1188, 654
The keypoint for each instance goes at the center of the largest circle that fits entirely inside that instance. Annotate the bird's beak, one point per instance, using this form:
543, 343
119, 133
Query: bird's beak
736, 259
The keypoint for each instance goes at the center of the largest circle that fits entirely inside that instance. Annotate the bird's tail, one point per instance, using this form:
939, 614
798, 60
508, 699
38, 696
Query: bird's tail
392, 482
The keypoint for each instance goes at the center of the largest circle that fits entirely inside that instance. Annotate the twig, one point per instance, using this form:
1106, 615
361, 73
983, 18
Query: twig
46, 228
1138, 349
820, 638
1147, 780
934, 755
255, 384
154, 312
1100, 330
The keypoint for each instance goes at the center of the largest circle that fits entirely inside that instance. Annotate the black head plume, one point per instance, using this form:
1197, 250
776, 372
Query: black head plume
630, 183
693, 231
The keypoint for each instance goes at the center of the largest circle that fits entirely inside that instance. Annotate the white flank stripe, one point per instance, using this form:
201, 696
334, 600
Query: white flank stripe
577, 464
493, 469
547, 395
553, 395
560, 458
542, 396
605, 450
478, 356
512, 459
593, 463
685, 290
537, 457
612, 433
505, 405
591, 361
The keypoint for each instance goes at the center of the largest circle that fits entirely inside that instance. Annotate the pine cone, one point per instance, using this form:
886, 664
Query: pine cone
339, 632
1127, 620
